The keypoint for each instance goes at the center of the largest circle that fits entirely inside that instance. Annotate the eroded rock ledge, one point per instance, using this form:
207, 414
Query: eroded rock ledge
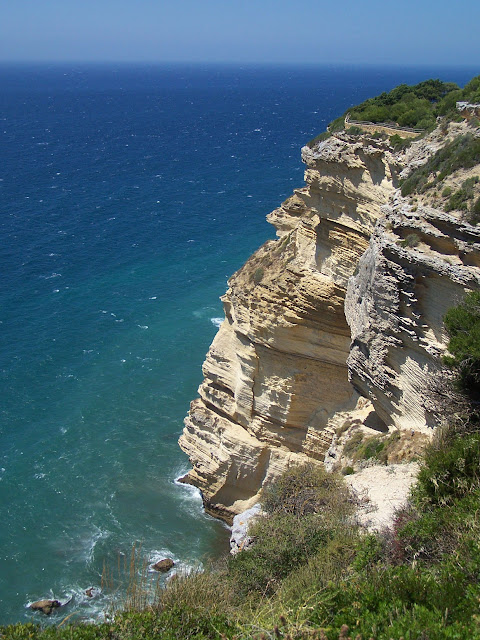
338, 286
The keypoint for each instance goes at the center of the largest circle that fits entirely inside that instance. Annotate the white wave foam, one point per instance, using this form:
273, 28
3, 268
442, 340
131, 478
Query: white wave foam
203, 312
181, 566
190, 493
91, 542
216, 321
78, 605
155, 555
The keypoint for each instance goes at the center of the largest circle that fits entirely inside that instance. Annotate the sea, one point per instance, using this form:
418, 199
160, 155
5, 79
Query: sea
128, 196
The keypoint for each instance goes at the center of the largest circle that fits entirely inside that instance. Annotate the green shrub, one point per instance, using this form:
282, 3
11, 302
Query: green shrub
354, 131
411, 106
463, 327
411, 240
449, 472
395, 140
337, 125
282, 543
328, 564
352, 444
447, 192
304, 489
347, 471
463, 152
474, 214
428, 185
320, 138
459, 200
305, 510
174, 623
370, 448
368, 551
258, 275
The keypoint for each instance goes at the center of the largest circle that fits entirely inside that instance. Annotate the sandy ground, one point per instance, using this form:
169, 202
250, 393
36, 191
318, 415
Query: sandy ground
381, 490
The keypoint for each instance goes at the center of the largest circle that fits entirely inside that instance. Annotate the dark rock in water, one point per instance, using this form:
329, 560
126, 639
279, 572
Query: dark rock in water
46, 606
90, 592
164, 565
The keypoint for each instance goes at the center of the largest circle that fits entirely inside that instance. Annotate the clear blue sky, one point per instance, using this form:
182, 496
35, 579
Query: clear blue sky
312, 31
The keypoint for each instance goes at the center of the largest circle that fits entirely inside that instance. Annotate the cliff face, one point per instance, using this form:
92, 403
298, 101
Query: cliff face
395, 306
338, 290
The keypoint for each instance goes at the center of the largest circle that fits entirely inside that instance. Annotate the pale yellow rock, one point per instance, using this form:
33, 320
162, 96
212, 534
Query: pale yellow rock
275, 377
339, 307
381, 491
396, 303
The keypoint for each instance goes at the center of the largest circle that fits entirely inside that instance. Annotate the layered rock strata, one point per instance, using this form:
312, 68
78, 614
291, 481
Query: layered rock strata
275, 378
343, 283
418, 265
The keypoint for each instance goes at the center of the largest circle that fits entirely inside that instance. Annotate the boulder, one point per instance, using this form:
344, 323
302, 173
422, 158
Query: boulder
46, 606
163, 565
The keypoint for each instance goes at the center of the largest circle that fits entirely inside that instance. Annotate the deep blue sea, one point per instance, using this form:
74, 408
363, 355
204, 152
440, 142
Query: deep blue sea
128, 196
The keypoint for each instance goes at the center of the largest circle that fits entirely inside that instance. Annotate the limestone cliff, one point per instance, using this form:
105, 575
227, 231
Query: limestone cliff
339, 307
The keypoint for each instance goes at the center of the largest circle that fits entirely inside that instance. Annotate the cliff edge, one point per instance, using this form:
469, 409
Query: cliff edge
338, 322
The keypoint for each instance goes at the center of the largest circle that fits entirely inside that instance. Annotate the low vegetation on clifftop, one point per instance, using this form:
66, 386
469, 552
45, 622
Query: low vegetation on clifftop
416, 107
313, 570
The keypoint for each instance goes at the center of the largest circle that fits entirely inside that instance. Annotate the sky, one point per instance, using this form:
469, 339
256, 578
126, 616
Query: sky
404, 32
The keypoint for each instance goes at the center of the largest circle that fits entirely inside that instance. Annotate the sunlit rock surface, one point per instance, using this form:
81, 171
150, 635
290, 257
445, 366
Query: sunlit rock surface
338, 307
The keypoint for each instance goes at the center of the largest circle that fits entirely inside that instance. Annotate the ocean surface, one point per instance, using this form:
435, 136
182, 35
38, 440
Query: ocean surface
128, 196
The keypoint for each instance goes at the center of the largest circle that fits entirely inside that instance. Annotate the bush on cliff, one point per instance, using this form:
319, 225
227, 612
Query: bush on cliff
408, 106
416, 106
463, 327
305, 511
462, 153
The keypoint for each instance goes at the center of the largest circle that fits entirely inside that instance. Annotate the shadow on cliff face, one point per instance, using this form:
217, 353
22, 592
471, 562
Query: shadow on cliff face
373, 421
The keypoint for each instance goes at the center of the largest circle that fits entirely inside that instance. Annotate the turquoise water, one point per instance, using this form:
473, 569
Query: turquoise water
128, 196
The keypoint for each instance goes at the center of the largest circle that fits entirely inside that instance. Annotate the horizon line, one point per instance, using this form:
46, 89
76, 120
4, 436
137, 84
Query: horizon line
230, 63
